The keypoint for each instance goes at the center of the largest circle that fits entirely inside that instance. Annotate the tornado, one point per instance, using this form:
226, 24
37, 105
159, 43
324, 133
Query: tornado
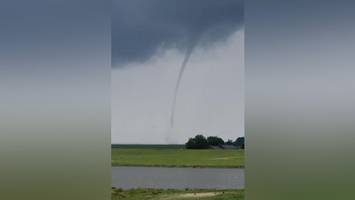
188, 53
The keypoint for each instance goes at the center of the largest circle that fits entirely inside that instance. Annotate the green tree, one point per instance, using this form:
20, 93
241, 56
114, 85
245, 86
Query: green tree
198, 142
229, 142
239, 142
215, 141
191, 143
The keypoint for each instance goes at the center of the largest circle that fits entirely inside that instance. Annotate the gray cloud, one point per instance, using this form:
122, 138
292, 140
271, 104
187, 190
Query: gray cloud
140, 27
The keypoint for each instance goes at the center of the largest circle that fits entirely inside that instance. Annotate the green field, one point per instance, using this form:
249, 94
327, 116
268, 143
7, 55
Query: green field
148, 146
173, 156
159, 194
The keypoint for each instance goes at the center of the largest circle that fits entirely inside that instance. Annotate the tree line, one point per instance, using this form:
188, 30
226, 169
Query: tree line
201, 142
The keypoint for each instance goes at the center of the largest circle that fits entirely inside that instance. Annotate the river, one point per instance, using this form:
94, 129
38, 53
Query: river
177, 178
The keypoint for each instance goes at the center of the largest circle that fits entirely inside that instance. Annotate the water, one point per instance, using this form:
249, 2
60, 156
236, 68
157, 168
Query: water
177, 178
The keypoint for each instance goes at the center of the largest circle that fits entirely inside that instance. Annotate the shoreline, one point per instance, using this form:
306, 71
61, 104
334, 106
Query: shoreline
172, 194
179, 166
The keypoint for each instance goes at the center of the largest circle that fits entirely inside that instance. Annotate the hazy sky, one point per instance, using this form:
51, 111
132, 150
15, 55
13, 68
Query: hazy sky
149, 43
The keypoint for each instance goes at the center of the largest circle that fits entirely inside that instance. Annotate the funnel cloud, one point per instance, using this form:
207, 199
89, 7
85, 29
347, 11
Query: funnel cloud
181, 73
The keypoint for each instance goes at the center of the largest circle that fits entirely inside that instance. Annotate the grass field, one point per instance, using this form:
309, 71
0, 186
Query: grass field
176, 157
158, 194
148, 146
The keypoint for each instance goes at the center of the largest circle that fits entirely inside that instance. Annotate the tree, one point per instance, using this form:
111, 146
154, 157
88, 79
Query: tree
191, 144
215, 141
229, 142
198, 142
239, 142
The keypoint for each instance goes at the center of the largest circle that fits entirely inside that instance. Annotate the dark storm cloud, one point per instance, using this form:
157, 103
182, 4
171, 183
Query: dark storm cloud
140, 27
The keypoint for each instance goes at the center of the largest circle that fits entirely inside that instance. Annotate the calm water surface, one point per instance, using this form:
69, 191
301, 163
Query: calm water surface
177, 178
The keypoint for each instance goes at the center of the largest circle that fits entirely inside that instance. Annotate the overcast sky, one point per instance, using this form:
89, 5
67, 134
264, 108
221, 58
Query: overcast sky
150, 40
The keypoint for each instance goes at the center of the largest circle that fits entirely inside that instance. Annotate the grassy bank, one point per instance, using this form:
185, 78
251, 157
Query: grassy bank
175, 157
158, 194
